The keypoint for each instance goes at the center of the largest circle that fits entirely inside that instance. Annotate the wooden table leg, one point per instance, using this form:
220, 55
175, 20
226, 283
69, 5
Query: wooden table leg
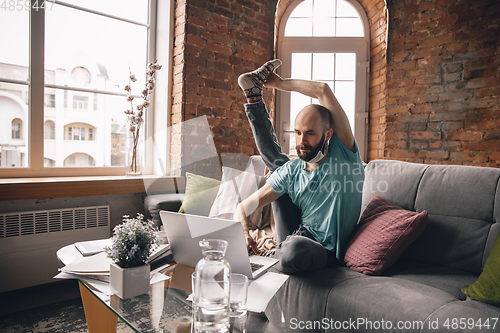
100, 319
181, 277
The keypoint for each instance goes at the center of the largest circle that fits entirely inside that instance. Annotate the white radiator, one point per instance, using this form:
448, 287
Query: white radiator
29, 241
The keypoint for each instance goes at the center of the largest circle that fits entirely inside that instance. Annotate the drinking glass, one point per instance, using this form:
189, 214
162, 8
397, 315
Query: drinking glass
238, 291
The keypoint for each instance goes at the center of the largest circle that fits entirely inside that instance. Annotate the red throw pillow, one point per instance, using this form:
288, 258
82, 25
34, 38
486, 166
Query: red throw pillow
384, 231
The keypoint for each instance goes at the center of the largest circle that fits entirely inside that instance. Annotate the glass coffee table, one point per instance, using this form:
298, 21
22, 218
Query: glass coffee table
163, 309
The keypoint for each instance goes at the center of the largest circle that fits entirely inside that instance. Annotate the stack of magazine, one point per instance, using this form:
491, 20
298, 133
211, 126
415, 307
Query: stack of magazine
95, 264
95, 267
162, 254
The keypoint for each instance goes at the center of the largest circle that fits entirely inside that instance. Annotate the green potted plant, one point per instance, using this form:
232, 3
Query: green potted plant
132, 243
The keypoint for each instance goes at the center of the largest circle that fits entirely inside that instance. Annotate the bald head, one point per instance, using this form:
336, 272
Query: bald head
315, 114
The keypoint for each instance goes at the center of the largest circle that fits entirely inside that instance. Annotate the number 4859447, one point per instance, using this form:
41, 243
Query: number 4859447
470, 323
19, 5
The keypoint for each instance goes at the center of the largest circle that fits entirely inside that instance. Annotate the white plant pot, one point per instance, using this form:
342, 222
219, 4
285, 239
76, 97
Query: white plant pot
129, 282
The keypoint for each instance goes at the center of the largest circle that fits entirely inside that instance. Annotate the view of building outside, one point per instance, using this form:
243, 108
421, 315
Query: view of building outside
80, 129
89, 49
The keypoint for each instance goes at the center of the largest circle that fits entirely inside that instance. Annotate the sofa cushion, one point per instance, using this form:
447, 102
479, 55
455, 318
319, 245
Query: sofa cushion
164, 201
460, 201
394, 180
476, 315
304, 296
447, 279
235, 187
496, 211
341, 295
370, 300
384, 231
200, 194
492, 236
457, 190
442, 243
487, 287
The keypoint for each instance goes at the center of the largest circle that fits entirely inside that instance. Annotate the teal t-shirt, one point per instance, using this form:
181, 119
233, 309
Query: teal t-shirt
329, 197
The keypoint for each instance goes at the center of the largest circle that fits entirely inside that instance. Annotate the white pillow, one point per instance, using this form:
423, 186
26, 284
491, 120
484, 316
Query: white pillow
235, 187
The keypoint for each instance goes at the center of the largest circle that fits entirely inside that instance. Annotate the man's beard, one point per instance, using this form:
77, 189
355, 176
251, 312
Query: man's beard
313, 151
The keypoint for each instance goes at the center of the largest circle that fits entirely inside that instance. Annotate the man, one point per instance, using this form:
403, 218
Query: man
317, 197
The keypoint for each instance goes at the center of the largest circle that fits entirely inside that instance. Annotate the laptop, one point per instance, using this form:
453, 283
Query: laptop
184, 231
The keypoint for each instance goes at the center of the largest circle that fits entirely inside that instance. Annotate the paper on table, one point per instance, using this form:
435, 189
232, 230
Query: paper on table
71, 275
96, 264
92, 247
103, 286
158, 277
99, 285
261, 290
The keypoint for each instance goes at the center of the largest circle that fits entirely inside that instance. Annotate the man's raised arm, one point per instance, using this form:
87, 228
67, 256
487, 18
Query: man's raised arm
326, 98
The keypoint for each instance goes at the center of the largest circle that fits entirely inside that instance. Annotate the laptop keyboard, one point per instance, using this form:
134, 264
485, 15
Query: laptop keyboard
255, 266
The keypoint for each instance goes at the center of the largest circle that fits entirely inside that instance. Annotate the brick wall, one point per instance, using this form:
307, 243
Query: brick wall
376, 12
216, 41
443, 82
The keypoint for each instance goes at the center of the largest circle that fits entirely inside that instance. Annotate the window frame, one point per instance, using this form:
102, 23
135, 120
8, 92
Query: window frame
80, 103
358, 45
76, 133
35, 137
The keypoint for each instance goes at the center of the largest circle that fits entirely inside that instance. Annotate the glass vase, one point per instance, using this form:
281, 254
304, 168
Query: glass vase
134, 167
134, 158
211, 288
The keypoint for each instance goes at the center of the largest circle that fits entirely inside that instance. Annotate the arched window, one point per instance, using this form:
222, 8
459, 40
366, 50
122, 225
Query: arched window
17, 129
328, 41
79, 160
49, 130
79, 132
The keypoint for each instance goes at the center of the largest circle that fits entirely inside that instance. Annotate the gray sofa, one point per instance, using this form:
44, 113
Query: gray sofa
421, 292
